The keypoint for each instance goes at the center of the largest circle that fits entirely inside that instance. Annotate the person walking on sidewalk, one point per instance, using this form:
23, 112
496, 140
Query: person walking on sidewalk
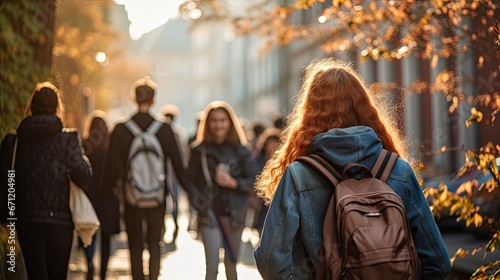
221, 174
169, 113
47, 157
138, 206
94, 142
338, 118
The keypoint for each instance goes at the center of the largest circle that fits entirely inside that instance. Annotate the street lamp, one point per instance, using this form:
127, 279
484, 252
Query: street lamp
102, 58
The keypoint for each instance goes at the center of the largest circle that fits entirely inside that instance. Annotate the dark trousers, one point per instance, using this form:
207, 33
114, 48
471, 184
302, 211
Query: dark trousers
154, 218
105, 252
46, 250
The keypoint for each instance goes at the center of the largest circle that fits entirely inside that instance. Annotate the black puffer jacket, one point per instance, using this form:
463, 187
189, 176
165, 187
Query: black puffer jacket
46, 155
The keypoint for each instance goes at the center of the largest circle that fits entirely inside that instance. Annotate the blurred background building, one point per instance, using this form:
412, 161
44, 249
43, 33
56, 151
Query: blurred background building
195, 64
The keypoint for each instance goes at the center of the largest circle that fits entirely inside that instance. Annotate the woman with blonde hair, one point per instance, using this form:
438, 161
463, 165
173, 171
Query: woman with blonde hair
46, 157
337, 117
220, 176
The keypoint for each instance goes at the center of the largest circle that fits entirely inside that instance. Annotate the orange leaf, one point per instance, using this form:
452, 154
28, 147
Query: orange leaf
478, 219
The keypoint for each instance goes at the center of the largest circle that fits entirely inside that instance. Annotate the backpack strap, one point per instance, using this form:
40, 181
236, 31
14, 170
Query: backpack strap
323, 166
204, 166
384, 164
133, 127
154, 127
136, 130
330, 244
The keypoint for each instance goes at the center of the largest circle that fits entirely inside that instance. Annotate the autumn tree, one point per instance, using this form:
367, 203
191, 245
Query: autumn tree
81, 53
391, 30
57, 41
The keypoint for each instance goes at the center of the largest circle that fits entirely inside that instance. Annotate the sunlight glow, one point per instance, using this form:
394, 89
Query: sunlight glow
195, 14
146, 15
100, 57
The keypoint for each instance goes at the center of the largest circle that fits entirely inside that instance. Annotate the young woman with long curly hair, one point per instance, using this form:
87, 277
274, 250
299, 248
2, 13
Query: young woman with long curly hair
335, 116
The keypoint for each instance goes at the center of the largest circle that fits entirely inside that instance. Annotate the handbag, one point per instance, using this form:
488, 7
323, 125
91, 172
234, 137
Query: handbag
83, 214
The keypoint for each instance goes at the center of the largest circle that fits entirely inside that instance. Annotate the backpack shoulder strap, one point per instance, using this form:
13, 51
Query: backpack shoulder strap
323, 166
154, 127
133, 127
384, 164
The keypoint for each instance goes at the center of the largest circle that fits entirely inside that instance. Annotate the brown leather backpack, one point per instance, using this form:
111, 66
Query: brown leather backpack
366, 233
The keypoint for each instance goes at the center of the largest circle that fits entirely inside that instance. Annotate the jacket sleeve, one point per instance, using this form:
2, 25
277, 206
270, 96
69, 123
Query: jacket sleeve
249, 165
171, 146
79, 168
428, 240
114, 162
273, 256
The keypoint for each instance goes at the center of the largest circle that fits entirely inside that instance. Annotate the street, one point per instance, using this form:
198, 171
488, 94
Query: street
185, 262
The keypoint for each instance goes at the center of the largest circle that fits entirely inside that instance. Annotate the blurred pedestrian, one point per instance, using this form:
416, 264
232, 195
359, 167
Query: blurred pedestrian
94, 143
265, 146
221, 192
197, 118
169, 113
258, 126
193, 215
117, 164
337, 117
47, 157
279, 121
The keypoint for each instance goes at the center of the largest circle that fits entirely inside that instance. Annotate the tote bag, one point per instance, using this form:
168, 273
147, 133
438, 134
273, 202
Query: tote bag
83, 214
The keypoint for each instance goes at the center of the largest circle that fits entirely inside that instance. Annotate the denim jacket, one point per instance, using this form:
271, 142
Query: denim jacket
292, 234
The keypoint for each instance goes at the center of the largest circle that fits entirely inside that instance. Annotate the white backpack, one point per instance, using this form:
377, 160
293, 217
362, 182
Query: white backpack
145, 184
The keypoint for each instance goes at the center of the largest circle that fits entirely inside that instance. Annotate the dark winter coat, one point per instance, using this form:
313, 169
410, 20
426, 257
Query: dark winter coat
47, 157
107, 209
223, 201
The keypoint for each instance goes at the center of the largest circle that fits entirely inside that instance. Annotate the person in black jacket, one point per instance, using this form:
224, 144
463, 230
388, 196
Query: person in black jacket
116, 169
94, 142
221, 173
47, 157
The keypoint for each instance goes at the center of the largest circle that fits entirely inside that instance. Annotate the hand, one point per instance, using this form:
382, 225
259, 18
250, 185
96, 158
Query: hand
224, 179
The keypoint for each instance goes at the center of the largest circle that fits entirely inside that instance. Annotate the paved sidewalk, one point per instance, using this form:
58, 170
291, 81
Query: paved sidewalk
185, 262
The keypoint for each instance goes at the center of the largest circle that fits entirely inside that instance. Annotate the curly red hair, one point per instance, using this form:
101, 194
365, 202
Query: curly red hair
333, 95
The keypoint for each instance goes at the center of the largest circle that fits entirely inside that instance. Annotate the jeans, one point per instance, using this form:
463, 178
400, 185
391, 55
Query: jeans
212, 242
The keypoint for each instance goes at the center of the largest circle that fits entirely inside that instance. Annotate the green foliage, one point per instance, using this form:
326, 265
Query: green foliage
20, 69
81, 32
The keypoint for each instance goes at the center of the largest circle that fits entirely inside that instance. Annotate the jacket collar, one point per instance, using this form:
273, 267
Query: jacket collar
40, 126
